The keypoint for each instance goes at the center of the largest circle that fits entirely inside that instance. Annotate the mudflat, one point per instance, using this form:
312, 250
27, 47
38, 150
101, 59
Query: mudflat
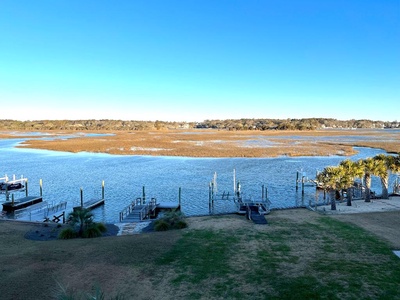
216, 143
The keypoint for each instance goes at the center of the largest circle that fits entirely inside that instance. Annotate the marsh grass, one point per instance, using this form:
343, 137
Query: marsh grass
300, 255
214, 143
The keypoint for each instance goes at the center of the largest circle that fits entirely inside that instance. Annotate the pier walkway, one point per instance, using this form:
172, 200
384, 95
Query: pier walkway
138, 211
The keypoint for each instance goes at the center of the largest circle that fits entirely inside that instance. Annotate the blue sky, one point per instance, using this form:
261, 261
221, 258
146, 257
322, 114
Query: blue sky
192, 60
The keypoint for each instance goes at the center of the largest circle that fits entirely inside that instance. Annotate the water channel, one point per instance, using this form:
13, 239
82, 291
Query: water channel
63, 175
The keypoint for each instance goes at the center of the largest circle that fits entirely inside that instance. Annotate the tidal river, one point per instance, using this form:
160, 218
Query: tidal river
63, 175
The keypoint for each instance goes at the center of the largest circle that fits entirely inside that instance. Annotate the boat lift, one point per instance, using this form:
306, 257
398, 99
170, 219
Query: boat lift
250, 207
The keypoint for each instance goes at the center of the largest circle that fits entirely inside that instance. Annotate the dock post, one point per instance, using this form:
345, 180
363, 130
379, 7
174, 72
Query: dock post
41, 187
234, 181
143, 197
266, 193
212, 198
102, 190
179, 197
262, 193
297, 181
26, 188
209, 197
81, 198
302, 185
12, 199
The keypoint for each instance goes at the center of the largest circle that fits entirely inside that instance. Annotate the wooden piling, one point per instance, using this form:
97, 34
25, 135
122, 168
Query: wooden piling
40, 188
81, 198
143, 201
262, 193
26, 188
209, 198
179, 196
102, 189
297, 181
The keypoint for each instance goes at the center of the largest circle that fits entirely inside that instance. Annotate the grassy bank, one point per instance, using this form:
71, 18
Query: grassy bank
299, 255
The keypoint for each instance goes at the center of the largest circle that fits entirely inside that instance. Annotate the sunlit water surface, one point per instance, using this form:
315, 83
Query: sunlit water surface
63, 175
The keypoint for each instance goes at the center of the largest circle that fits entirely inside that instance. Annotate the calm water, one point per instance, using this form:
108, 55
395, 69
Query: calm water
63, 175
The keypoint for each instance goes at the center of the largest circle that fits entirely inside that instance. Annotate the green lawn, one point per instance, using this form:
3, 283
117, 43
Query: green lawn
316, 257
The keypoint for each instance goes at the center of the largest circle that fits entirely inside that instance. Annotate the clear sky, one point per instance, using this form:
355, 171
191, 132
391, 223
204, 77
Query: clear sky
192, 60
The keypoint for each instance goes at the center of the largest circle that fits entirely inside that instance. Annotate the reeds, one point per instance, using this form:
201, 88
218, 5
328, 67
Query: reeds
214, 143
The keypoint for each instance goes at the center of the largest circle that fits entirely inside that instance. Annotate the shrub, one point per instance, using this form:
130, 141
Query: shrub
180, 224
101, 227
82, 225
67, 233
95, 230
171, 220
161, 225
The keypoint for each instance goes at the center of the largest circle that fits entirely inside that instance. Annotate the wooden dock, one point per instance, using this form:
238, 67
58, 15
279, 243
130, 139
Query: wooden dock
137, 212
11, 206
140, 209
253, 213
91, 204
167, 206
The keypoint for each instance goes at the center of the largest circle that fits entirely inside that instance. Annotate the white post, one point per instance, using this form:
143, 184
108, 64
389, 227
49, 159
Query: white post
234, 181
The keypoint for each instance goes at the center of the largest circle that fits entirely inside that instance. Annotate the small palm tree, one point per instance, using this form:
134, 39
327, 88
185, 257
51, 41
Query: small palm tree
80, 218
387, 164
351, 171
330, 179
371, 167
82, 225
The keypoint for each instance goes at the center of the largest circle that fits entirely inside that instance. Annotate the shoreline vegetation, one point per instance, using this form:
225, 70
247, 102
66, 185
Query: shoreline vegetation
227, 124
212, 142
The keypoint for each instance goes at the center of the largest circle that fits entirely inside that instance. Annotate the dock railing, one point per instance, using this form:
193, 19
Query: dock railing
42, 209
143, 210
127, 211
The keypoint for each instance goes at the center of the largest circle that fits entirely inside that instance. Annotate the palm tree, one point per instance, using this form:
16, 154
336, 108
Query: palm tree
81, 218
388, 164
351, 171
396, 169
330, 179
371, 167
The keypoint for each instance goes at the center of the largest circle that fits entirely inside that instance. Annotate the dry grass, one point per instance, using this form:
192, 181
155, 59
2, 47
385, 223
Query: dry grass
213, 143
215, 258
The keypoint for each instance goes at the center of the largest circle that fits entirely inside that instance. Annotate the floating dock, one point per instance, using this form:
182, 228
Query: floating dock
92, 203
10, 187
140, 210
11, 206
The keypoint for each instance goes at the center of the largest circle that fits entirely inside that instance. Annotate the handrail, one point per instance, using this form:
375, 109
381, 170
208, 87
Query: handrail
126, 211
143, 212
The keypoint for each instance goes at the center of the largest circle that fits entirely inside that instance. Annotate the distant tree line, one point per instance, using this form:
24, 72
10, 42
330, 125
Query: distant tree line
293, 124
229, 124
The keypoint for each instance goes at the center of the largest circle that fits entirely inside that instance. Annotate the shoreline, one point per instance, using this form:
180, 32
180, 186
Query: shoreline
49, 231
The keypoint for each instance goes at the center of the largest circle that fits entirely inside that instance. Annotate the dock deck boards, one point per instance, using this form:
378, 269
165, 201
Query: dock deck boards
91, 204
21, 203
135, 214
